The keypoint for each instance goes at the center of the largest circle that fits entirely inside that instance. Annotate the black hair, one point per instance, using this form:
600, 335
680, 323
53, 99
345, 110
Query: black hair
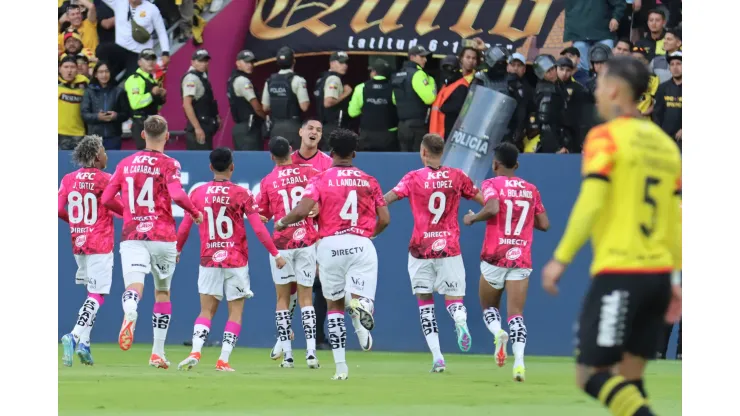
305, 122
101, 63
470, 48
67, 58
675, 32
343, 142
656, 11
221, 159
627, 41
631, 71
507, 154
279, 147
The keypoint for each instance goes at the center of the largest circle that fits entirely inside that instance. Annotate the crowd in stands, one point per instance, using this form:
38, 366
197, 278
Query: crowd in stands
110, 75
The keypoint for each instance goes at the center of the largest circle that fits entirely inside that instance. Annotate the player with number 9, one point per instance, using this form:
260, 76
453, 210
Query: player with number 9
352, 212
435, 263
281, 191
513, 208
149, 181
91, 226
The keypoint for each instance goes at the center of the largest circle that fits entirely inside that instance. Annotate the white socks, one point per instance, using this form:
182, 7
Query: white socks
518, 336
308, 318
338, 339
429, 327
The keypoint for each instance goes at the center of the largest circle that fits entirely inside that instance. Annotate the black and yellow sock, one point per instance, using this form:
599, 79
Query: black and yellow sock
622, 397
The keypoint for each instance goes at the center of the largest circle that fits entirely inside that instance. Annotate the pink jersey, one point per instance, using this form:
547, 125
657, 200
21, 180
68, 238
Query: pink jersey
348, 198
90, 222
434, 196
508, 241
148, 181
320, 161
280, 191
223, 237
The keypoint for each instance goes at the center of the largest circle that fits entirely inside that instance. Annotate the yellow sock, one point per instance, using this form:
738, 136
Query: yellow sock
621, 397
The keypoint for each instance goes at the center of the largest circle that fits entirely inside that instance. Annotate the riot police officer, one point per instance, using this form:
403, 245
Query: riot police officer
415, 92
597, 57
551, 103
332, 97
577, 103
285, 98
200, 106
246, 109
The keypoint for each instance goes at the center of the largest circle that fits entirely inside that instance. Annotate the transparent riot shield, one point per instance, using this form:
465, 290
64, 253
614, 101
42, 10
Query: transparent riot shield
479, 128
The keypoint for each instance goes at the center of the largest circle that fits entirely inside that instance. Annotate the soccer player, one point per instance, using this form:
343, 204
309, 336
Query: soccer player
435, 263
280, 191
223, 254
629, 205
352, 212
91, 227
149, 181
512, 209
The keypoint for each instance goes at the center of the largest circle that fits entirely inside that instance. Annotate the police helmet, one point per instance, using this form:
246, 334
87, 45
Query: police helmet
542, 64
599, 53
496, 54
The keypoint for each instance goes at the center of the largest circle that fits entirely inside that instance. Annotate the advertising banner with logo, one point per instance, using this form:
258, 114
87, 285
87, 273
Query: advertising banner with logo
391, 27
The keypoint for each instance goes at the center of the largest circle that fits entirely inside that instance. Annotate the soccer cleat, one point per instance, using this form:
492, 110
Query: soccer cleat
365, 338
159, 362
340, 376
84, 353
366, 318
126, 336
190, 362
464, 341
222, 365
519, 373
312, 361
438, 367
276, 352
69, 343
287, 363
500, 341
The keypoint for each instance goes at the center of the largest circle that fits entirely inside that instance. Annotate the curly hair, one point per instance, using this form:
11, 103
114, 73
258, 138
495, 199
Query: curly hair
87, 150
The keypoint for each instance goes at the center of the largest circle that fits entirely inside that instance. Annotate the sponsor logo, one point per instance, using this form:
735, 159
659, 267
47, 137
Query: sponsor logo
219, 256
513, 183
287, 172
358, 282
149, 160
217, 190
144, 227
445, 174
163, 268
513, 253
86, 176
138, 265
451, 285
80, 240
71, 98
299, 234
348, 173
339, 292
439, 245
347, 251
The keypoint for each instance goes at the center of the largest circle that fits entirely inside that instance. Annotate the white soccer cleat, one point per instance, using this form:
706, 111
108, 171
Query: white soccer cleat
190, 362
287, 363
277, 351
312, 361
365, 315
365, 338
500, 341
340, 376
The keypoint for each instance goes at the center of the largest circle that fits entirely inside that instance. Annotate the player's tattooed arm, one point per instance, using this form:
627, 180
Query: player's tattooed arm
490, 209
298, 213
390, 197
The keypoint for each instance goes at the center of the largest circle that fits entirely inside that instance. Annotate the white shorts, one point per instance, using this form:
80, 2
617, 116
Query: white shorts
446, 276
95, 271
348, 262
497, 276
215, 281
155, 257
300, 267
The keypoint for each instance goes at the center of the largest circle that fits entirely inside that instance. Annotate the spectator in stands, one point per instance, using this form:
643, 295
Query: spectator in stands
83, 65
581, 76
105, 107
653, 40
669, 102
71, 87
136, 21
671, 43
622, 48
647, 101
627, 22
72, 21
145, 94
588, 22
73, 47
106, 23
517, 67
201, 108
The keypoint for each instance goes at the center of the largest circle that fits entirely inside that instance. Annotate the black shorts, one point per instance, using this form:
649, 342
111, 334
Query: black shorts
622, 313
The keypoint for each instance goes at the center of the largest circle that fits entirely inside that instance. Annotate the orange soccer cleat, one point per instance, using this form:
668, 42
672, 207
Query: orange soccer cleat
126, 336
159, 362
223, 366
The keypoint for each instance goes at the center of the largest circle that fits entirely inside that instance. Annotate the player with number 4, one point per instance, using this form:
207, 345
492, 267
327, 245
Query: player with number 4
435, 263
148, 182
512, 209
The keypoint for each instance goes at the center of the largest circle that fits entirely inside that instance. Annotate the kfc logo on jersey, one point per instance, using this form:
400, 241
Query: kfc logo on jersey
144, 227
86, 176
513, 183
80, 240
217, 190
299, 234
439, 245
219, 256
445, 174
287, 172
348, 173
149, 160
513, 253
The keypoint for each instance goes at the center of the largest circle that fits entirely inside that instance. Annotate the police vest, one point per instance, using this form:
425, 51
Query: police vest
205, 106
378, 111
437, 117
283, 101
337, 114
153, 107
241, 109
408, 103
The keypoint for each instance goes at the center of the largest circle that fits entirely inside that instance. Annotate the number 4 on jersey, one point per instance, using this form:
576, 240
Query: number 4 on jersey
349, 210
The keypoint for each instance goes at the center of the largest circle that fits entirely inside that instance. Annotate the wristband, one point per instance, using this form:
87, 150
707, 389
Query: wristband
280, 223
676, 278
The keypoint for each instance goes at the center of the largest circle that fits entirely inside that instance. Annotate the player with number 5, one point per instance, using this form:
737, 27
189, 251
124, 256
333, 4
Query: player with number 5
352, 212
512, 209
435, 263
148, 182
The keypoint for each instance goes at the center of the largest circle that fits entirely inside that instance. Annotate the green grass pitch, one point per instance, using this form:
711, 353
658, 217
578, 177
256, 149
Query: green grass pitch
380, 383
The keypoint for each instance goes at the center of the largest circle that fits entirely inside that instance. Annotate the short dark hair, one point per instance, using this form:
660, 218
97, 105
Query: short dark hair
343, 142
675, 32
507, 154
656, 11
627, 41
434, 143
221, 159
306, 121
279, 147
631, 71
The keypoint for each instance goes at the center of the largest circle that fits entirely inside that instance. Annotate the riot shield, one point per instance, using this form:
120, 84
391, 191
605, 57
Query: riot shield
482, 123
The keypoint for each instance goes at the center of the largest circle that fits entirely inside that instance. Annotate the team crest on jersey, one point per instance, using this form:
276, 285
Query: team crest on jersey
219, 256
513, 253
299, 234
144, 227
439, 245
80, 240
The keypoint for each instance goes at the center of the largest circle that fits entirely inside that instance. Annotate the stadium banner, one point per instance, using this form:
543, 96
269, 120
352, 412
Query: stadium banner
549, 319
391, 27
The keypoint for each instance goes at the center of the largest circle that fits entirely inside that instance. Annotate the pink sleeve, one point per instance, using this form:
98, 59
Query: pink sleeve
181, 198
183, 232
489, 191
312, 191
262, 234
402, 189
467, 187
118, 201
538, 207
109, 195
62, 203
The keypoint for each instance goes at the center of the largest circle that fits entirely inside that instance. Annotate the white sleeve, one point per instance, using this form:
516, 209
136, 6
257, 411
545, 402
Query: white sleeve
164, 40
